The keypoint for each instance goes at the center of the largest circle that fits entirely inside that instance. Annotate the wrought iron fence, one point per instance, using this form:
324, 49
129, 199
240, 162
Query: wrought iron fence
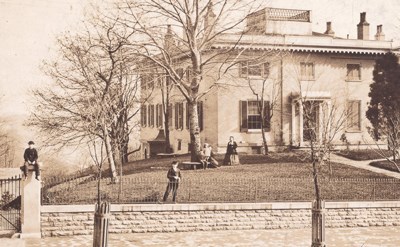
201, 190
10, 204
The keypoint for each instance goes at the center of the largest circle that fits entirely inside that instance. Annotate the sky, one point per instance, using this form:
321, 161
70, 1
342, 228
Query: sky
28, 30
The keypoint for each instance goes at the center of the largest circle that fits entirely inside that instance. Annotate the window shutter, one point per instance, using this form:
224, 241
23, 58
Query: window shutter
176, 115
169, 109
157, 114
200, 113
243, 116
181, 115
144, 115
267, 123
187, 116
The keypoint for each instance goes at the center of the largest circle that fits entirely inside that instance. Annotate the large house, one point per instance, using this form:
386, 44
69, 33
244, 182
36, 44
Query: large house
300, 66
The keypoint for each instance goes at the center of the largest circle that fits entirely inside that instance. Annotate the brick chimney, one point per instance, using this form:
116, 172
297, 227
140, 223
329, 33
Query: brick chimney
329, 30
363, 28
209, 19
379, 33
169, 42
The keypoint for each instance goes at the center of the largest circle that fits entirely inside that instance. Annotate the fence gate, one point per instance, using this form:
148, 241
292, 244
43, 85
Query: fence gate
10, 204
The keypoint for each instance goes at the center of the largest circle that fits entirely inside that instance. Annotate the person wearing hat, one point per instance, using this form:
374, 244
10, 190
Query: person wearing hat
31, 158
174, 177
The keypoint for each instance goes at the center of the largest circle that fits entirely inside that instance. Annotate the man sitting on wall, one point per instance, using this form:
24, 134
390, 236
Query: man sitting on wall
31, 158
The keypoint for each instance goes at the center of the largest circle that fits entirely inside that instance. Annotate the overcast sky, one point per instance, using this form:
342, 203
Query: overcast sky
28, 29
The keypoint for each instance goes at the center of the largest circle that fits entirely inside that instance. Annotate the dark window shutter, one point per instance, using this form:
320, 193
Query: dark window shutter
200, 113
267, 123
243, 116
187, 116
170, 115
181, 115
176, 115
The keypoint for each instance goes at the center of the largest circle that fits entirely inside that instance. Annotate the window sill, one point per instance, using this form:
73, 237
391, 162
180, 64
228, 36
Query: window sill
353, 131
254, 131
353, 80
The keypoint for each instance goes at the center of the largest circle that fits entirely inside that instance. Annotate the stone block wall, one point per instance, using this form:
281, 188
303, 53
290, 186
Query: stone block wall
78, 220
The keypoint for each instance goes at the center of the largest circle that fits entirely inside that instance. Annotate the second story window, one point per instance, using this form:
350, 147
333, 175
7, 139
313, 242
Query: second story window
254, 69
307, 71
353, 72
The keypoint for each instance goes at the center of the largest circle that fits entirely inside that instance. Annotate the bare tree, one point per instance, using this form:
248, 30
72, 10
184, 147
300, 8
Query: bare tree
267, 92
93, 82
202, 22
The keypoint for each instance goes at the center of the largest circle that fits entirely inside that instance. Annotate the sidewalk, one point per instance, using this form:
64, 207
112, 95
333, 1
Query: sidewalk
335, 237
363, 164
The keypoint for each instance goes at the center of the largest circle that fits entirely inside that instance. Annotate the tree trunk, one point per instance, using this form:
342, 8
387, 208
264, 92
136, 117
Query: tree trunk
194, 131
111, 161
261, 109
265, 144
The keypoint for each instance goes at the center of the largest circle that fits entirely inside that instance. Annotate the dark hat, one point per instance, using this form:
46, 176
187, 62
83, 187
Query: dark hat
31, 142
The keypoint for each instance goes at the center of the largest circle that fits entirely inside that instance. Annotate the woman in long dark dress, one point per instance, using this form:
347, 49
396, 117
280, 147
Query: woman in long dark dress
231, 156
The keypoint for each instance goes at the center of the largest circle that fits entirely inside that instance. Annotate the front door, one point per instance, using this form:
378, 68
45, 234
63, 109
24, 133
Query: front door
311, 120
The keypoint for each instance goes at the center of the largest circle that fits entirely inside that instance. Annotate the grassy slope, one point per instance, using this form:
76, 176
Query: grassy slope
286, 180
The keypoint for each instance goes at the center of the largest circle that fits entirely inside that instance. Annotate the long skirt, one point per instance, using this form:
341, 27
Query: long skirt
231, 159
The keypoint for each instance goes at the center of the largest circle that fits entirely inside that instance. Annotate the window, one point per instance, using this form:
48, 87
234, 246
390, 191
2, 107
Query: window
254, 69
151, 116
178, 115
307, 71
251, 117
353, 72
179, 144
353, 115
143, 115
159, 114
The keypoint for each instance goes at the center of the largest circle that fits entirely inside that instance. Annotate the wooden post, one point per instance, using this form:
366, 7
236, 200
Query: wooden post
318, 224
101, 219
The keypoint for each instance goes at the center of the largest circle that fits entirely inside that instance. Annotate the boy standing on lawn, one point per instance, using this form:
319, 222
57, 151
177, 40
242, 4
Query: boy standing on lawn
174, 177
31, 158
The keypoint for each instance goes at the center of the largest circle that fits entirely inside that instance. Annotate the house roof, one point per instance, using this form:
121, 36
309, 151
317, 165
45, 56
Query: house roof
303, 43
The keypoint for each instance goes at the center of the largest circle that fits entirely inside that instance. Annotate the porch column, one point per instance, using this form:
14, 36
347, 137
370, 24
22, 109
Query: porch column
293, 123
30, 206
300, 122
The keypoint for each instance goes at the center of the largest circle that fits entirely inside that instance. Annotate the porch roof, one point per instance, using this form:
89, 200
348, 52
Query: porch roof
311, 95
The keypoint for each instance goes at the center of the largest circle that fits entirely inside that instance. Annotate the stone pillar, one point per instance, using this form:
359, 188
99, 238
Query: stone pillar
318, 224
30, 206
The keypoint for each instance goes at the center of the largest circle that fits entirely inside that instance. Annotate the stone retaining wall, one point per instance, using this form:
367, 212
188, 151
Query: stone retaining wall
78, 219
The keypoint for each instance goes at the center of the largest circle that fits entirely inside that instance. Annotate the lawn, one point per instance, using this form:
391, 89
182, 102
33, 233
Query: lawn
364, 154
384, 164
145, 182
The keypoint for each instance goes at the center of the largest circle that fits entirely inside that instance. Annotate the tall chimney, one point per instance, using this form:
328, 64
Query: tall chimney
329, 30
363, 27
169, 39
379, 33
209, 19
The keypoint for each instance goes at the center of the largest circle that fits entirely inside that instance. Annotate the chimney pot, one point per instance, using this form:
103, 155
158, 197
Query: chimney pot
379, 33
329, 30
363, 27
362, 17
